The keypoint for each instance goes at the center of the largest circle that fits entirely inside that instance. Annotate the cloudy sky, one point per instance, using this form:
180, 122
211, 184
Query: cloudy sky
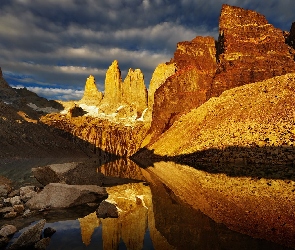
51, 46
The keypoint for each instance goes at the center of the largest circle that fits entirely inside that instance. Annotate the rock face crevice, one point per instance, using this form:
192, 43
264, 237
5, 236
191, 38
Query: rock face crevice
248, 50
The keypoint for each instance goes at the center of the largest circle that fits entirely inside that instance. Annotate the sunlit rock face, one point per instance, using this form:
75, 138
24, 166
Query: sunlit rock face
134, 91
102, 135
161, 73
91, 94
249, 49
251, 123
188, 87
261, 208
113, 86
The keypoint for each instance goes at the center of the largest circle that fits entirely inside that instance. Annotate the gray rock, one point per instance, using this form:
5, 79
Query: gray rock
42, 244
7, 230
74, 173
107, 210
29, 237
58, 195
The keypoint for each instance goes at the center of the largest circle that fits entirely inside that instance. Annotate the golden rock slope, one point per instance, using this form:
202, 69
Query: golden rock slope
258, 117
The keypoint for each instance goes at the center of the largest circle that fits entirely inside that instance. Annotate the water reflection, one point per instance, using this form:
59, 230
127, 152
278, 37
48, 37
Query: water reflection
169, 213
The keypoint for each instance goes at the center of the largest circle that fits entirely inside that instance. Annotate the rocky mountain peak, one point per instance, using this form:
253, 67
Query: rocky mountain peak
134, 90
113, 85
92, 96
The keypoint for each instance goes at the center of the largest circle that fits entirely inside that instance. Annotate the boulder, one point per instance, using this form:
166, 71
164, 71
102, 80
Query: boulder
58, 195
29, 237
42, 244
7, 230
48, 232
74, 173
107, 209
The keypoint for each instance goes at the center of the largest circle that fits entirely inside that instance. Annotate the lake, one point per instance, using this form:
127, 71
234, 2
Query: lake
163, 206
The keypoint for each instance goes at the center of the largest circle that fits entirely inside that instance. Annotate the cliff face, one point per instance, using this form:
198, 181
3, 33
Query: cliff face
187, 88
248, 50
101, 135
91, 94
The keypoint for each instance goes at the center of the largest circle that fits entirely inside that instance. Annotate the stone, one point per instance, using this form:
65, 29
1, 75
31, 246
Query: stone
42, 244
107, 210
92, 96
3, 191
14, 193
7, 230
73, 173
18, 208
57, 195
10, 215
16, 200
4, 241
29, 237
48, 232
27, 193
134, 91
6, 210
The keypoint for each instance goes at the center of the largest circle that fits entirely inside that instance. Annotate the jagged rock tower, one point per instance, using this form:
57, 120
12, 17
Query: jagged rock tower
92, 96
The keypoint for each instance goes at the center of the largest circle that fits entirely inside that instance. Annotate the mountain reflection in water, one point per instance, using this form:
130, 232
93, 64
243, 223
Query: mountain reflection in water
159, 215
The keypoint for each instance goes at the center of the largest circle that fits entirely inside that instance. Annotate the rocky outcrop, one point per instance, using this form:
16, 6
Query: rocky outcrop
103, 136
248, 50
188, 88
30, 237
92, 96
161, 73
113, 88
134, 91
57, 195
253, 123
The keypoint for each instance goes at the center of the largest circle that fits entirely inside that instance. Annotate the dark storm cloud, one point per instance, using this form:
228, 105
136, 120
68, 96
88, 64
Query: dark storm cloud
58, 43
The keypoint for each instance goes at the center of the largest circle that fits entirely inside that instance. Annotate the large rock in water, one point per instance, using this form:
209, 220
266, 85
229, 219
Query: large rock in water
57, 195
248, 50
91, 94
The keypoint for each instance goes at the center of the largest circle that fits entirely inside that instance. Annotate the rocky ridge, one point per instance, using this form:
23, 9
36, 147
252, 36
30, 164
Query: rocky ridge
91, 94
254, 123
249, 49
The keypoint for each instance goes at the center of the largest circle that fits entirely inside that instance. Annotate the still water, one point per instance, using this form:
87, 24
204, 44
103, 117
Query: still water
153, 215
